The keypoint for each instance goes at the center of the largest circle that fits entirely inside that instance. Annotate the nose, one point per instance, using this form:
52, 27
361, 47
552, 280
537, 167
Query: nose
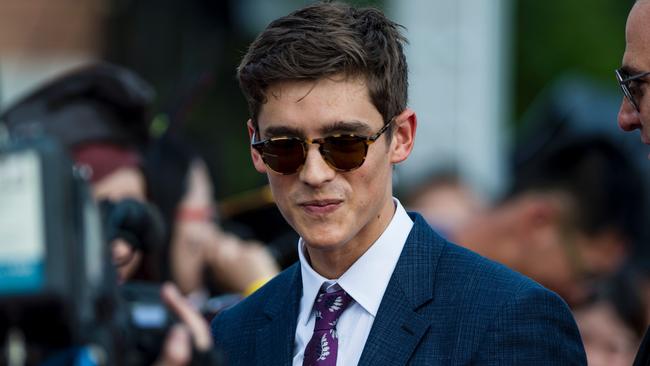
628, 117
316, 172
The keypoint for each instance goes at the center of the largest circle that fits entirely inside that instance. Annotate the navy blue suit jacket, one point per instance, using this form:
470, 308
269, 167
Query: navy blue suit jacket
444, 305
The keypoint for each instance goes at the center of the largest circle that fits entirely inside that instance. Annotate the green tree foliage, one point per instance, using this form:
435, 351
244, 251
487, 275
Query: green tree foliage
557, 36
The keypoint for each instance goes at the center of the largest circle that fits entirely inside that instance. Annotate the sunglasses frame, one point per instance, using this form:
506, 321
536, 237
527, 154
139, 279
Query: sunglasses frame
624, 81
366, 140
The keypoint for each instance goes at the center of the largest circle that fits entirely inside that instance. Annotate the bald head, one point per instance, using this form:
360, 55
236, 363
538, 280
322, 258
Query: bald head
637, 30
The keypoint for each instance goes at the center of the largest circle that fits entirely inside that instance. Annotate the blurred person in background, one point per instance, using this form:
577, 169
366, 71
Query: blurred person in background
445, 202
100, 114
612, 320
201, 254
633, 74
572, 215
634, 112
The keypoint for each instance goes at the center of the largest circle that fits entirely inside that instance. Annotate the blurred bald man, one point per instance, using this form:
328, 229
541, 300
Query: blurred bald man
634, 113
635, 72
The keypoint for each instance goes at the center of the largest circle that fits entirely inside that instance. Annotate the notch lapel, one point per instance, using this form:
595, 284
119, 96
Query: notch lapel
402, 319
275, 340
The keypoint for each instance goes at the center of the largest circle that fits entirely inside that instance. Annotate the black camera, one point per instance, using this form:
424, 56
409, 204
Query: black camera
59, 298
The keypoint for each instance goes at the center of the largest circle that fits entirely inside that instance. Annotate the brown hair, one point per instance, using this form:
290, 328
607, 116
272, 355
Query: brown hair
324, 39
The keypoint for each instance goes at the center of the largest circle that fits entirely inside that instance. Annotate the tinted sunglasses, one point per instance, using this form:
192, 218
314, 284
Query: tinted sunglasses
631, 85
343, 152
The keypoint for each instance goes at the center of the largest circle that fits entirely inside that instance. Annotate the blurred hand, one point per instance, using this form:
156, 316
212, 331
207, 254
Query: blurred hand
237, 264
177, 350
191, 241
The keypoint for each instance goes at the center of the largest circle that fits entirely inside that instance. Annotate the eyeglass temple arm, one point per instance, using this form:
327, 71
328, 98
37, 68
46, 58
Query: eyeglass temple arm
633, 77
381, 131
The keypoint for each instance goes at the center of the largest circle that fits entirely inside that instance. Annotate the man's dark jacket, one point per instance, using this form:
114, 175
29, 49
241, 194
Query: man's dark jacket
444, 305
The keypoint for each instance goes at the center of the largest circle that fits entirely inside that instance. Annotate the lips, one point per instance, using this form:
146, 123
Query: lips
321, 207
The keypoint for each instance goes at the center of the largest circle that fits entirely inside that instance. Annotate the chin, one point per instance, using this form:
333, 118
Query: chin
322, 233
321, 242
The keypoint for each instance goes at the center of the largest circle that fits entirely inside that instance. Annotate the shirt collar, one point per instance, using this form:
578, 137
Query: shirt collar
366, 280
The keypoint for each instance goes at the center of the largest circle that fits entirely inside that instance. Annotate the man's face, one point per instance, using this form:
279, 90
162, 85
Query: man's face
636, 60
123, 183
607, 339
535, 233
331, 210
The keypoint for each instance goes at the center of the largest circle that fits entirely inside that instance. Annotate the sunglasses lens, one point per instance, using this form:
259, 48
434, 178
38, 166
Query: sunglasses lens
344, 153
287, 155
284, 156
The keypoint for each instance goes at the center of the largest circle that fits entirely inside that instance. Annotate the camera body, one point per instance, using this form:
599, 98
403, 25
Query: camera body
58, 288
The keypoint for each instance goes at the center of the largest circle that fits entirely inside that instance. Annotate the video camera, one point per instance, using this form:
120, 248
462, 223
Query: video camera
59, 298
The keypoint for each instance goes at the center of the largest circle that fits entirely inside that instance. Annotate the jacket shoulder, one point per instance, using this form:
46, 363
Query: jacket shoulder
459, 269
493, 315
477, 274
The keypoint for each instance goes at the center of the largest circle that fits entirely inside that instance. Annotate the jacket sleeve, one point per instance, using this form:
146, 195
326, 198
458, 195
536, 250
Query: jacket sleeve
534, 327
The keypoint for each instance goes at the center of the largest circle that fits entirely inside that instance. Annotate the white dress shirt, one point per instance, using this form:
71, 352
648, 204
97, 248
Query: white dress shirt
365, 281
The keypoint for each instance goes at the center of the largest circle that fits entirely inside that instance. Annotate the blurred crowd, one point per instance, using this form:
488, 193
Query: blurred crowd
573, 217
102, 115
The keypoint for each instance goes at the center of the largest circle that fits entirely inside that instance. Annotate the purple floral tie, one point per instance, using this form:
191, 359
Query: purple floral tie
323, 345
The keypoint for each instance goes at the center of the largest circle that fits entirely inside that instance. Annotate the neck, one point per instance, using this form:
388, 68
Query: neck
331, 265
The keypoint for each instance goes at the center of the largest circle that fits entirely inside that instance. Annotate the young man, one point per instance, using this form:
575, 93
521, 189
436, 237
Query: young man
635, 106
327, 89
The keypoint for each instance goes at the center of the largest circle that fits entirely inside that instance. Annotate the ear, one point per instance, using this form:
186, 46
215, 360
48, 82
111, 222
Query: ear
538, 211
255, 155
403, 136
539, 220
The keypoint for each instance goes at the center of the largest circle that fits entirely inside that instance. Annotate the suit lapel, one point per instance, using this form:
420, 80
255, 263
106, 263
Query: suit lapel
401, 321
275, 340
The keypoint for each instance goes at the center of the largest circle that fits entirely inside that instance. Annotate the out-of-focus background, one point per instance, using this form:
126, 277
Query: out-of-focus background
476, 67
509, 94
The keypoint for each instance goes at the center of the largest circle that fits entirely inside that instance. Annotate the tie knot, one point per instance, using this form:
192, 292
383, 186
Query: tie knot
328, 307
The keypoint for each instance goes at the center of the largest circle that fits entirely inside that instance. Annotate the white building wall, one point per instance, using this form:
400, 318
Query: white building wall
459, 59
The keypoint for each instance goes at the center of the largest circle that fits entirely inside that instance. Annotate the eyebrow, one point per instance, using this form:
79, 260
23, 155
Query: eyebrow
631, 70
355, 127
274, 131
352, 127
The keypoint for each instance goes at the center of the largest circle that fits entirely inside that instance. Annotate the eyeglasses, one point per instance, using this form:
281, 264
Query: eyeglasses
343, 152
631, 85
